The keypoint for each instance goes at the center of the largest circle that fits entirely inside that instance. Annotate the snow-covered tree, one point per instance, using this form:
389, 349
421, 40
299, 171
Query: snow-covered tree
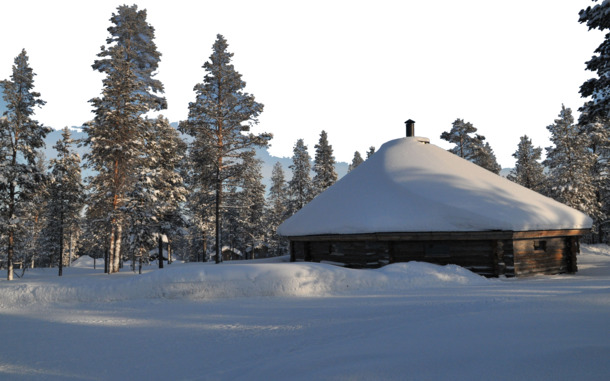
300, 190
167, 159
356, 161
66, 198
219, 118
153, 206
570, 164
597, 108
471, 146
324, 165
598, 134
250, 206
278, 208
20, 138
528, 170
594, 119
117, 135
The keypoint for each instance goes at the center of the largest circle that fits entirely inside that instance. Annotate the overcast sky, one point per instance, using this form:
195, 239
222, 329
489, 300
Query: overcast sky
357, 69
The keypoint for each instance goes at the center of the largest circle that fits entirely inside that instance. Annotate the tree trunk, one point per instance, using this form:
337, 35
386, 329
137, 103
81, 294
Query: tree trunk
160, 250
70, 249
111, 249
218, 224
10, 250
169, 252
204, 245
106, 261
117, 249
140, 261
61, 243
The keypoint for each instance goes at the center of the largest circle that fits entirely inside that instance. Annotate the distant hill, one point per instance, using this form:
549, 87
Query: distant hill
262, 153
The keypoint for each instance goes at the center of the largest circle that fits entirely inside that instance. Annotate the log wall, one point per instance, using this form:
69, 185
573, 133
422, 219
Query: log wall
508, 255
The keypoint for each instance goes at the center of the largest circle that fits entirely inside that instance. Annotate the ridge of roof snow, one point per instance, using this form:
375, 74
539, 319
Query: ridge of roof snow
409, 185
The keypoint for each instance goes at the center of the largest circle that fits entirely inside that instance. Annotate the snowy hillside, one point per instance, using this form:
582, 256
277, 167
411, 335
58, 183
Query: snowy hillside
274, 320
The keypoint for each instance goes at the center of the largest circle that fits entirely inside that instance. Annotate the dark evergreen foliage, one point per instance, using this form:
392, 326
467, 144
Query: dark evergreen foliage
324, 165
528, 170
20, 138
117, 135
356, 161
219, 120
300, 189
570, 164
471, 146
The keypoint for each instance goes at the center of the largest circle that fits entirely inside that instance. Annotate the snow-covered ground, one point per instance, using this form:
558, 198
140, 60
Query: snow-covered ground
275, 320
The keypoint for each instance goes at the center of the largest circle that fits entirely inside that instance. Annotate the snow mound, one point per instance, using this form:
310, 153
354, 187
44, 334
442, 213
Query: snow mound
237, 280
85, 262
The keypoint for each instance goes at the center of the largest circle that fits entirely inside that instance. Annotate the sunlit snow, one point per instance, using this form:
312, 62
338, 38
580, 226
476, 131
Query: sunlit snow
272, 320
409, 186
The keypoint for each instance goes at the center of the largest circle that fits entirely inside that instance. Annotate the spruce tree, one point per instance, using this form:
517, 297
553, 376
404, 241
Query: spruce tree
66, 197
528, 170
594, 119
471, 146
598, 134
324, 165
300, 190
370, 152
218, 120
598, 89
251, 205
278, 208
117, 135
570, 163
356, 161
20, 138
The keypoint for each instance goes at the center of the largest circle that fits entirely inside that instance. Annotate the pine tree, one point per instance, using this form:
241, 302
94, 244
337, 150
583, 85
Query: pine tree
300, 190
118, 133
570, 164
216, 121
356, 161
324, 165
471, 146
278, 208
528, 170
598, 107
250, 206
168, 159
20, 137
484, 157
370, 152
594, 119
598, 135
66, 198
154, 203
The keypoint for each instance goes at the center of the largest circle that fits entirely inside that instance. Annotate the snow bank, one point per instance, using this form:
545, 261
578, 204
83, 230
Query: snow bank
230, 280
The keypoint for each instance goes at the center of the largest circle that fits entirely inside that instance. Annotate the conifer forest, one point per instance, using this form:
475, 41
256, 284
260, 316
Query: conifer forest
150, 190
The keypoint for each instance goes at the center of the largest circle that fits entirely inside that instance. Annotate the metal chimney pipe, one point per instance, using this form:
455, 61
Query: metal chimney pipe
410, 127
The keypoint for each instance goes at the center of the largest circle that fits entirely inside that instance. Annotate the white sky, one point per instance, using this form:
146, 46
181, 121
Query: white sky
357, 69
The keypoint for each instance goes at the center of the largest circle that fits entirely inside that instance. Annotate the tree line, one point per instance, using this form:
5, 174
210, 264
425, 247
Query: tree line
153, 193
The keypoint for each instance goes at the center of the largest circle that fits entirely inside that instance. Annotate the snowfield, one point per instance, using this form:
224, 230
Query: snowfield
274, 320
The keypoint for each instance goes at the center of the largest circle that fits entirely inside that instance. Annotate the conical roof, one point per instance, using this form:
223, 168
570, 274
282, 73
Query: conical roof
412, 186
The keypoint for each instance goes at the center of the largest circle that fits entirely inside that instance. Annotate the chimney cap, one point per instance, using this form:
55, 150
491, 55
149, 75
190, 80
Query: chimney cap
410, 127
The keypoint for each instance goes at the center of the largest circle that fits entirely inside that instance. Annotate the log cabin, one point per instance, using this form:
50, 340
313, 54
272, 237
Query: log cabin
414, 201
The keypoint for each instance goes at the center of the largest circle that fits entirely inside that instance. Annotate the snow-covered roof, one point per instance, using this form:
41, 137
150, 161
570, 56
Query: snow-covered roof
412, 186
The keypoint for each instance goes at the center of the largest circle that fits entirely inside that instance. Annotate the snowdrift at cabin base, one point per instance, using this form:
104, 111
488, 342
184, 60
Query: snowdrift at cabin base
225, 281
415, 201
